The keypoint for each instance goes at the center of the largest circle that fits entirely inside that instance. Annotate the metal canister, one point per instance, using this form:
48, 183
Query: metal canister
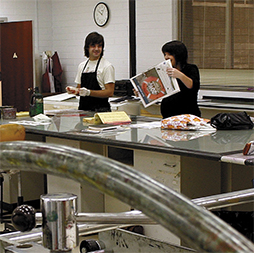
59, 226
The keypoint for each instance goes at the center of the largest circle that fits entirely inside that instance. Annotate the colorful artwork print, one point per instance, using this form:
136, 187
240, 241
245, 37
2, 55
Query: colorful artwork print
155, 84
153, 88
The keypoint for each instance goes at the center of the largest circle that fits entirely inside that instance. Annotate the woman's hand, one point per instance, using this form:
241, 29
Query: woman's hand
174, 72
136, 93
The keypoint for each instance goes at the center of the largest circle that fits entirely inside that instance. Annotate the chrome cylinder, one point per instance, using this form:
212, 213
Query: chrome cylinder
59, 224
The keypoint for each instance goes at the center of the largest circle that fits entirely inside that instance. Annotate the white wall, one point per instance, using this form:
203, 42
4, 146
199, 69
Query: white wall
72, 22
156, 22
61, 25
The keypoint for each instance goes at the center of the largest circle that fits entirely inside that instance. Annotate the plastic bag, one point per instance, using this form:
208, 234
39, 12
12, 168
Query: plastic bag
186, 122
232, 121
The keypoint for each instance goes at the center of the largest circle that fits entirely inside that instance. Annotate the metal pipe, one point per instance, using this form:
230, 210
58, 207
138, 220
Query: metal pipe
20, 197
35, 235
198, 227
137, 217
14, 238
124, 218
132, 217
90, 223
226, 199
96, 222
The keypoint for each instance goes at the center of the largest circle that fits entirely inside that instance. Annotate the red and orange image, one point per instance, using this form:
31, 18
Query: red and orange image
153, 87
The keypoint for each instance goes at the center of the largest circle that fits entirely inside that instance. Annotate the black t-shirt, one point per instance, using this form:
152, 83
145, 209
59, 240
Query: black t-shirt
185, 101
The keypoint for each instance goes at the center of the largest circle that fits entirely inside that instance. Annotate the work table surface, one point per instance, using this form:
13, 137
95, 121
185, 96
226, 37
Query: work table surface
138, 135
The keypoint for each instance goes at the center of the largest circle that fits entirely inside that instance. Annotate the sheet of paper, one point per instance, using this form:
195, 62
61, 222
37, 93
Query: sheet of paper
59, 97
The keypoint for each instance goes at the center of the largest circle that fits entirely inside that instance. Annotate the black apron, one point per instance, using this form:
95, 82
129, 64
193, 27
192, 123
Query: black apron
89, 81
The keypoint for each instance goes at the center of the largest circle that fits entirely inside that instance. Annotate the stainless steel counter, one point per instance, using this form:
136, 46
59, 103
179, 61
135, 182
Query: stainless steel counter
138, 135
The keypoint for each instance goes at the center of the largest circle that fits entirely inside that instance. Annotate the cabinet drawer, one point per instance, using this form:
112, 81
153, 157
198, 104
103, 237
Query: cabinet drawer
164, 168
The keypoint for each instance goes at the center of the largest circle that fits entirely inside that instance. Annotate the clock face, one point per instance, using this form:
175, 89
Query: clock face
101, 14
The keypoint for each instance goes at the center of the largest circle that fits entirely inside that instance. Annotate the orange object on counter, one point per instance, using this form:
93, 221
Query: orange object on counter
12, 132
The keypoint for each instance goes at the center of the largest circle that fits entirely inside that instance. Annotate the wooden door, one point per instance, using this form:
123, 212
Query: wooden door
16, 63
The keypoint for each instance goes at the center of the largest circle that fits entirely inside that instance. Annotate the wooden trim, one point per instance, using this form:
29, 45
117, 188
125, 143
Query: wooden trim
220, 4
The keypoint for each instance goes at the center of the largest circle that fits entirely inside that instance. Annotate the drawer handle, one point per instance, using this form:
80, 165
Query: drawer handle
170, 165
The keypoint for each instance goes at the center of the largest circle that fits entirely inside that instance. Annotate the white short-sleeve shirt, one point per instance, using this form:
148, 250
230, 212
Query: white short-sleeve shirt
105, 71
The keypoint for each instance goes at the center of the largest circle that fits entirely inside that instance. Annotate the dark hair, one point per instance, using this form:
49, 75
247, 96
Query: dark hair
92, 39
178, 50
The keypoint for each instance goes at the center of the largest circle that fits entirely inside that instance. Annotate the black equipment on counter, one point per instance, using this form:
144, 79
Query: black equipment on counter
123, 88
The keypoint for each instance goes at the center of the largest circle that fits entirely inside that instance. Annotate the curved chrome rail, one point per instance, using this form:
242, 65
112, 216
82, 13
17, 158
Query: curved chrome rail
198, 227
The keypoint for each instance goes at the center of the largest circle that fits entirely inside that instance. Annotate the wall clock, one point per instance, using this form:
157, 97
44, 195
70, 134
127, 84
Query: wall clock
101, 14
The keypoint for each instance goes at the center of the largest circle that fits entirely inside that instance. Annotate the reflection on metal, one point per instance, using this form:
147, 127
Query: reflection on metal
120, 240
16, 238
115, 240
226, 199
132, 217
26, 248
58, 211
199, 228
22, 237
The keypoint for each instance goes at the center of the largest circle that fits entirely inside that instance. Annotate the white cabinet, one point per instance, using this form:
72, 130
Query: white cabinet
89, 199
164, 168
